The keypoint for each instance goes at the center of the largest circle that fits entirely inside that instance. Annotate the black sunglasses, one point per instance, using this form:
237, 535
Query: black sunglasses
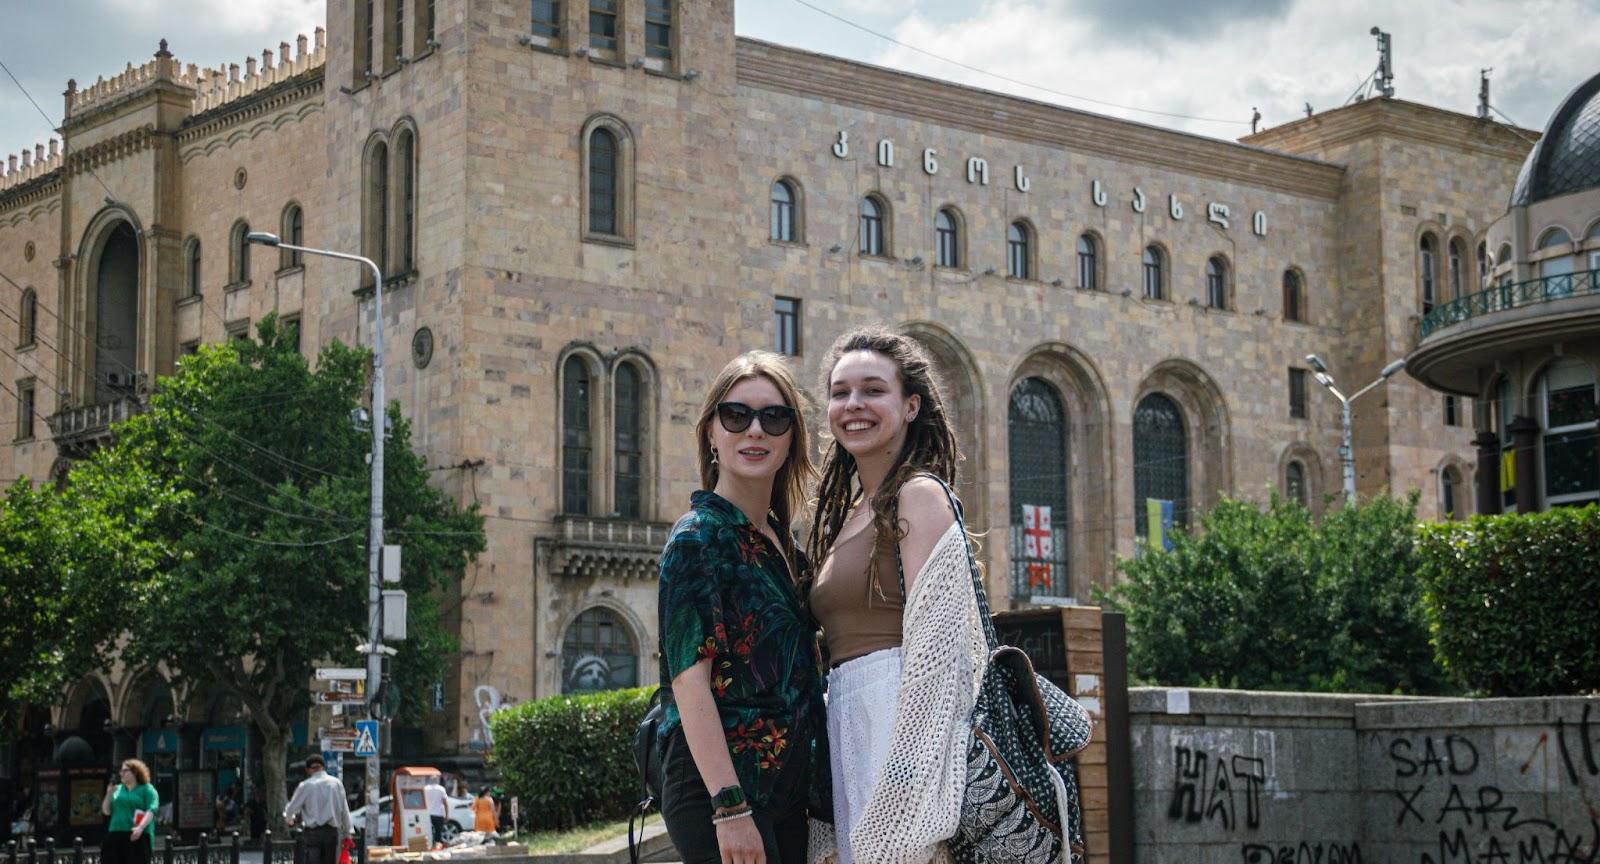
737, 416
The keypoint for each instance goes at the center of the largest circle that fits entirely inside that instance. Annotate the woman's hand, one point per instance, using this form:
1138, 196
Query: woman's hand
740, 842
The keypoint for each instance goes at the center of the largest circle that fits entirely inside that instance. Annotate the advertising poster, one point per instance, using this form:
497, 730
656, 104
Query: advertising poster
196, 800
84, 798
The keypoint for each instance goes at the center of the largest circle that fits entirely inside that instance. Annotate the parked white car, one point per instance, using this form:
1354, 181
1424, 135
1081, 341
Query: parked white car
458, 817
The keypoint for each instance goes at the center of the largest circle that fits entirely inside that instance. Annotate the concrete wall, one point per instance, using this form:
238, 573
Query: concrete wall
1291, 778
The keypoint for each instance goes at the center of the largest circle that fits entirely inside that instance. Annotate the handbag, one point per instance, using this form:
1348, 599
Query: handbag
647, 759
1021, 804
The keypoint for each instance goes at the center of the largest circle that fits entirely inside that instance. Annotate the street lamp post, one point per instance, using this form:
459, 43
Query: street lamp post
373, 648
1347, 456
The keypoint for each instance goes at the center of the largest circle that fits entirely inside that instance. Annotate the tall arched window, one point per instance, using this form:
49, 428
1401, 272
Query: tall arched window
629, 444
1294, 301
405, 200
1450, 492
1426, 265
946, 231
191, 268
1483, 266
1088, 262
1457, 268
28, 319
1567, 416
1019, 243
603, 182
598, 653
1155, 287
782, 213
1160, 460
293, 232
874, 240
1216, 282
576, 440
1037, 439
376, 218
1294, 482
239, 249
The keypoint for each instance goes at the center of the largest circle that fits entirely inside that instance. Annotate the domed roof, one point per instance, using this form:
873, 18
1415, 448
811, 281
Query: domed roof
1567, 158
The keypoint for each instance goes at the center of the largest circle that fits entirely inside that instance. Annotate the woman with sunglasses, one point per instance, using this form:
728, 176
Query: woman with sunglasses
743, 731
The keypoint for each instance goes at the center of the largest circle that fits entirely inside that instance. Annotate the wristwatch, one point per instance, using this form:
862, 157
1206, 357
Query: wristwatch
727, 798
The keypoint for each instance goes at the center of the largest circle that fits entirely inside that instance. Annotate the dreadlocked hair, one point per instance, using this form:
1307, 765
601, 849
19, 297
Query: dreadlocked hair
930, 447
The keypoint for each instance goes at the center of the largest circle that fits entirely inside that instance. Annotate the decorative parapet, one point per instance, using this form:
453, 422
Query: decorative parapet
217, 87
620, 549
78, 431
30, 165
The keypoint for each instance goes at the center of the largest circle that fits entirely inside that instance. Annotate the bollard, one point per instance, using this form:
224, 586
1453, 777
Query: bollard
361, 848
203, 853
266, 846
233, 849
11, 852
77, 850
49, 850
298, 856
33, 851
166, 852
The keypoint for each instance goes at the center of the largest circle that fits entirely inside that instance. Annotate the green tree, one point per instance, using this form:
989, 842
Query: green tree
253, 484
1268, 598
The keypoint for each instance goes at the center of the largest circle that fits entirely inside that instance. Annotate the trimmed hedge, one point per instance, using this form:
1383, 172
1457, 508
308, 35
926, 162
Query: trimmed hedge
570, 758
1515, 600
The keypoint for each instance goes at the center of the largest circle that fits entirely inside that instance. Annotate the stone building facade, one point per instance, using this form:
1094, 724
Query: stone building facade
583, 219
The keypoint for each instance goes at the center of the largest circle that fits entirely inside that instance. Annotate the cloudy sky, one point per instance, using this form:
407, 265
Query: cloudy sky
1210, 60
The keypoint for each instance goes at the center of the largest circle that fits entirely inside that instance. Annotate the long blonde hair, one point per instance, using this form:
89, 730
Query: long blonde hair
789, 487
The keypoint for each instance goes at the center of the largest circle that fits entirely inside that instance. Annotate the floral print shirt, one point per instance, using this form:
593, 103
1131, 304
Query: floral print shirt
726, 594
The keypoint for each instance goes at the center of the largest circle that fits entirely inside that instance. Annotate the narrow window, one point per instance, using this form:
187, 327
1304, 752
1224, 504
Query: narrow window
575, 437
1449, 484
658, 29
241, 254
1297, 394
293, 233
377, 215
1294, 482
370, 23
629, 445
1457, 268
547, 18
1293, 304
28, 320
782, 213
1216, 283
1088, 262
603, 25
1425, 260
193, 282
947, 240
399, 29
1154, 284
433, 24
291, 326
405, 200
786, 318
1452, 411
603, 182
1483, 266
25, 410
871, 227
1017, 263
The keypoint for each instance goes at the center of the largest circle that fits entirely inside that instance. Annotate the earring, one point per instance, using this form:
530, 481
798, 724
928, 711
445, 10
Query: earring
713, 457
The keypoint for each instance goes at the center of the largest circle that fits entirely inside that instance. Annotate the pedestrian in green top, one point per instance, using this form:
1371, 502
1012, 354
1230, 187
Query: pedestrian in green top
131, 804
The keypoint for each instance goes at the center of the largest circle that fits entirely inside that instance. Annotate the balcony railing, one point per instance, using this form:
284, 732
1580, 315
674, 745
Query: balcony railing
1510, 296
76, 430
615, 548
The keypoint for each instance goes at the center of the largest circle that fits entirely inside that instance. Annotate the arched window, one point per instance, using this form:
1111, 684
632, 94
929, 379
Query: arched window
598, 653
293, 232
874, 239
1088, 262
1216, 282
239, 249
1019, 248
1294, 302
376, 217
946, 231
1155, 285
1450, 492
783, 212
1594, 251
1483, 266
603, 182
1457, 268
1037, 437
1160, 460
191, 266
1294, 482
28, 319
629, 442
1560, 265
576, 440
1567, 416
405, 201
1425, 264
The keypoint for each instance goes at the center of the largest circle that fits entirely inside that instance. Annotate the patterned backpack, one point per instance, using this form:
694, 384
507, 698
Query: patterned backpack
1021, 804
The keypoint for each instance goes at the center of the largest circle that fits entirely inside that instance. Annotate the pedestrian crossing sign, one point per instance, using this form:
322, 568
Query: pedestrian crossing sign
366, 738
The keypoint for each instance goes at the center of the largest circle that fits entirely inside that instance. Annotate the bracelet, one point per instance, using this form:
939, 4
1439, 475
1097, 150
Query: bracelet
729, 817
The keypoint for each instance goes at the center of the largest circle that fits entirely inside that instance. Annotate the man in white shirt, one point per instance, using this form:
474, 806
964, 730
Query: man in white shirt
319, 802
438, 807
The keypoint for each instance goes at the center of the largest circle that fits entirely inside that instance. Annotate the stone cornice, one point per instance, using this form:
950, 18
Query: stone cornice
112, 149
306, 85
818, 76
1397, 118
34, 190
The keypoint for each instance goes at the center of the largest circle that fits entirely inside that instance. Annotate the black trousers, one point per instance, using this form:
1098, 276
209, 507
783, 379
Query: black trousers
686, 809
118, 848
321, 845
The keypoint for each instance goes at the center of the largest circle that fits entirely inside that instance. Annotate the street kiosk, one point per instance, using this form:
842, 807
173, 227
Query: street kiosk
411, 826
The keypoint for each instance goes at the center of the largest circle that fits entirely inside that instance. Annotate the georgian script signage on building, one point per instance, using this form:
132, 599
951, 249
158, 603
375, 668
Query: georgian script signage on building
976, 169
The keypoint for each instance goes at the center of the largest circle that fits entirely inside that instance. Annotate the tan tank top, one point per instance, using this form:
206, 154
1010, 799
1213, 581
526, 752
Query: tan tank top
856, 619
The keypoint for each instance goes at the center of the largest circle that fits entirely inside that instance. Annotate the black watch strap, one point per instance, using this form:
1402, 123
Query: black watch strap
727, 798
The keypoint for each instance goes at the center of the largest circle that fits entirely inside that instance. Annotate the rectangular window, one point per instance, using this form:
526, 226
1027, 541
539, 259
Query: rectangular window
1297, 394
603, 25
399, 29
786, 316
547, 18
370, 27
191, 348
239, 331
1086, 268
433, 25
1452, 411
658, 29
25, 410
291, 325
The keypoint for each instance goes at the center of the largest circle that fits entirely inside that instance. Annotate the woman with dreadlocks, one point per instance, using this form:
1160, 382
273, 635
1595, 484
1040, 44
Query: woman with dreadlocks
894, 596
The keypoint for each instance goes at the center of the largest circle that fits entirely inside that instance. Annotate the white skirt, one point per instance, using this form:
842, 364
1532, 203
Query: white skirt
862, 702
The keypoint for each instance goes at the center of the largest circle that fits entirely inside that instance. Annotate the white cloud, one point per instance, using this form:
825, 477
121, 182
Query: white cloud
229, 17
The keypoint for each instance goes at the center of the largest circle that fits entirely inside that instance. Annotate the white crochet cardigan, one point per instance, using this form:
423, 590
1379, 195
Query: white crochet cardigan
916, 805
